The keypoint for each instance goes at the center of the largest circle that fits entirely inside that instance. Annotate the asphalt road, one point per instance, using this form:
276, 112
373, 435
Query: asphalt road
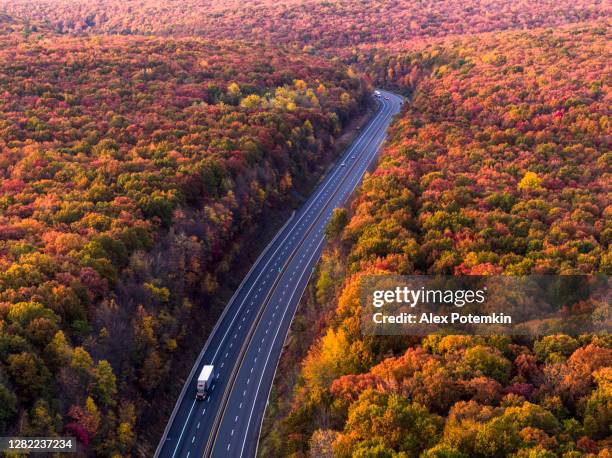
247, 340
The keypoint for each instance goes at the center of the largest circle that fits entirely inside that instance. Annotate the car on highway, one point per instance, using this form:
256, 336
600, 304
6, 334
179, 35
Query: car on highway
343, 164
386, 98
353, 157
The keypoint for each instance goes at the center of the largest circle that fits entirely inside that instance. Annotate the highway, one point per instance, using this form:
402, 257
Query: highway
247, 340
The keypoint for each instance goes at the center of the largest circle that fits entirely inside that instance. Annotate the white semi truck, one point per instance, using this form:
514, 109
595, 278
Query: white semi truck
204, 382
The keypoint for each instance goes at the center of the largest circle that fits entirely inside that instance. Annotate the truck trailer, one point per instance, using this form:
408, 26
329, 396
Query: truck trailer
204, 381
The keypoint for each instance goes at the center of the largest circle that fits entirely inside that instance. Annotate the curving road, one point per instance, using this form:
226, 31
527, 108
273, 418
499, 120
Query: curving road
247, 340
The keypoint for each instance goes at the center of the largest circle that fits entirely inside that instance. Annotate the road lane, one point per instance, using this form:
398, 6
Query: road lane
259, 310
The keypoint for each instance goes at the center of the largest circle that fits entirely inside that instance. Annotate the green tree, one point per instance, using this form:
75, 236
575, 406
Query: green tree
81, 362
41, 420
24, 312
29, 374
337, 223
393, 421
555, 347
58, 352
105, 383
497, 438
489, 362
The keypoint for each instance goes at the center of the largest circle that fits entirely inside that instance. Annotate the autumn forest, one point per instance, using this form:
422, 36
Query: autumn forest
144, 144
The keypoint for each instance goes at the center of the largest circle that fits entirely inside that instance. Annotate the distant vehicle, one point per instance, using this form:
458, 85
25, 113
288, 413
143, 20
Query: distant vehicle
204, 382
386, 98
343, 164
376, 93
353, 157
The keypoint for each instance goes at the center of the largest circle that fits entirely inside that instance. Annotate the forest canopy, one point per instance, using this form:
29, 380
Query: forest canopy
128, 168
141, 141
313, 24
500, 164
